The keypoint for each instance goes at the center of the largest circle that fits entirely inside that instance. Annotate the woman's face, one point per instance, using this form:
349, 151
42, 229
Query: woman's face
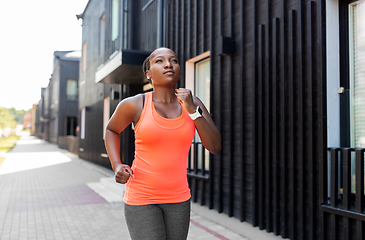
164, 67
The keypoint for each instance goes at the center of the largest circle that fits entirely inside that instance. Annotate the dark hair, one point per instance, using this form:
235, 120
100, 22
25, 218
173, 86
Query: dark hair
146, 66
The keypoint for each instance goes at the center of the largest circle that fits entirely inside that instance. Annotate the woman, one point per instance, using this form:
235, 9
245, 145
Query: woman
157, 196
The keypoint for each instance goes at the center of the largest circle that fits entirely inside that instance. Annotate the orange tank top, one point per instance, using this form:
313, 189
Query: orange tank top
161, 151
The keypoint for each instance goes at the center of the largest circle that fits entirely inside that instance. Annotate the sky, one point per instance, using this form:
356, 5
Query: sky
31, 30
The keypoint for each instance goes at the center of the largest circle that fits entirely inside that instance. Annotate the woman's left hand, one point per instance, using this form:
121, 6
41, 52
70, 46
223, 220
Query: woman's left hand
185, 98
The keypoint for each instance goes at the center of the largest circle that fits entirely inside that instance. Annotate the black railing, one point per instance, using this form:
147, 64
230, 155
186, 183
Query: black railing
198, 162
111, 46
198, 169
346, 183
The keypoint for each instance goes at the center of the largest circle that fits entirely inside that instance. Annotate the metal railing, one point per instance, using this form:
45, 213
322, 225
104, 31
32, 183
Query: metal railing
345, 175
198, 172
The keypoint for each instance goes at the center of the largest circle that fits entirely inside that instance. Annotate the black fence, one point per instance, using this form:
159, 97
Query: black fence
198, 169
343, 206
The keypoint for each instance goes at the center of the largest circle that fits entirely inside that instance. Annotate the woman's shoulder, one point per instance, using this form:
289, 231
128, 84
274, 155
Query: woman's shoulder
131, 103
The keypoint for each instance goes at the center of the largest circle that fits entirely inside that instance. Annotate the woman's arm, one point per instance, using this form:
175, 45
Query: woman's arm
205, 126
126, 112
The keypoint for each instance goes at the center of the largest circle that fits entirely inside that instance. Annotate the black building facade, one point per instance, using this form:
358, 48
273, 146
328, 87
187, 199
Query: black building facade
58, 107
264, 69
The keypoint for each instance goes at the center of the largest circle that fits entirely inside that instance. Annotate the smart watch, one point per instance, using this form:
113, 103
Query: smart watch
198, 113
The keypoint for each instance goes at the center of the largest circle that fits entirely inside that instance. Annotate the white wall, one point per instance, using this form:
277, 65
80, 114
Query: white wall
333, 73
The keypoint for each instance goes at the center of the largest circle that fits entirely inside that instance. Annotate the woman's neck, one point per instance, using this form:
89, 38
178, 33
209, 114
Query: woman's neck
164, 95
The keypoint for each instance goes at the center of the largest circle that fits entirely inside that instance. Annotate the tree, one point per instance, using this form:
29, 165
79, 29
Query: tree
6, 119
18, 115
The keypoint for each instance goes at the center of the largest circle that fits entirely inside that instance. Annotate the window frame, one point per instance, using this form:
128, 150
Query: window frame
196, 147
77, 90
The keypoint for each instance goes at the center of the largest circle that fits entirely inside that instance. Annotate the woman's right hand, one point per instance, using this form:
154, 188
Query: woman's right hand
122, 173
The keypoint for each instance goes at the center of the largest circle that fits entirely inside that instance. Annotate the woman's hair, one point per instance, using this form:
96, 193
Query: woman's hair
146, 64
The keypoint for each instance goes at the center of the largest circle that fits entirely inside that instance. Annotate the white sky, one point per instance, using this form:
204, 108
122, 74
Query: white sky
31, 30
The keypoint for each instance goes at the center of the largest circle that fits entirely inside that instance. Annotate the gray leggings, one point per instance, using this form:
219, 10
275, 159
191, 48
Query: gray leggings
158, 221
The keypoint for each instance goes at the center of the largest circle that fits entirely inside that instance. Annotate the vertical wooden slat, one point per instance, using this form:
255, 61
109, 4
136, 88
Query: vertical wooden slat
182, 43
346, 178
291, 93
346, 186
220, 123
202, 23
196, 14
334, 177
322, 89
300, 126
309, 119
231, 90
191, 151
334, 190
360, 229
242, 171
260, 143
189, 30
170, 35
267, 119
196, 28
195, 180
283, 76
189, 158
212, 105
275, 137
203, 174
359, 180
255, 197
334, 227
177, 27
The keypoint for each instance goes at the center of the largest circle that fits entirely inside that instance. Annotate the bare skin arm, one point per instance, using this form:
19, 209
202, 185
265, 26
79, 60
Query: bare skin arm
127, 111
205, 126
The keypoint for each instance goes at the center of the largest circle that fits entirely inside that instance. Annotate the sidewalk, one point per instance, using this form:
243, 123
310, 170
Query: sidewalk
47, 193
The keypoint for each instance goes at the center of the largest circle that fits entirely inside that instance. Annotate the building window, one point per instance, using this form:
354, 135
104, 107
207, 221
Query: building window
357, 73
115, 25
198, 81
357, 79
115, 19
106, 114
84, 52
71, 89
102, 35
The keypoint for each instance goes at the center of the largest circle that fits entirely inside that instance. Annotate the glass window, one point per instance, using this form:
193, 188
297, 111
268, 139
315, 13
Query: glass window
198, 81
357, 73
115, 20
357, 79
202, 91
102, 35
71, 89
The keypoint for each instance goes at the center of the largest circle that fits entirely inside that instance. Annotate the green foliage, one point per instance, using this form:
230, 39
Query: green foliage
7, 119
18, 115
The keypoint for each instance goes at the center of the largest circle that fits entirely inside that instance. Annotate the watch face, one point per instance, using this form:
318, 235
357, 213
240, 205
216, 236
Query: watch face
200, 111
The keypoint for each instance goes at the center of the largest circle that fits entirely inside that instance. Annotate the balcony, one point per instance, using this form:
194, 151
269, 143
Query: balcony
123, 67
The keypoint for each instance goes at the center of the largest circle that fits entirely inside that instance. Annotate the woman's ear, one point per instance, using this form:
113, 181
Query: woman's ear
148, 74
